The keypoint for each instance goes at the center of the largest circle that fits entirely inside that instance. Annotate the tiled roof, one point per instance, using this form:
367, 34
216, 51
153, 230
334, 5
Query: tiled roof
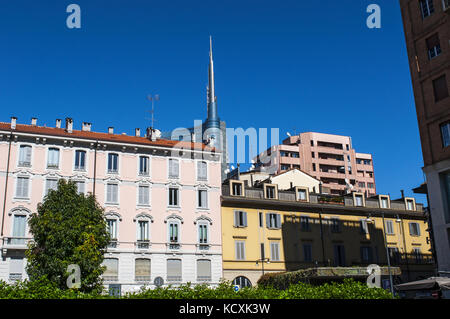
94, 136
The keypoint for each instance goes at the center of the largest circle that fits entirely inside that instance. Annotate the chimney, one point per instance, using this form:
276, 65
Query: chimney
110, 130
86, 126
33, 121
13, 122
137, 132
403, 193
69, 124
58, 123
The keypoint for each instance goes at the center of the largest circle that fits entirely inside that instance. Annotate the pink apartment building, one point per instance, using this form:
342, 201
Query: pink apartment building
327, 157
162, 206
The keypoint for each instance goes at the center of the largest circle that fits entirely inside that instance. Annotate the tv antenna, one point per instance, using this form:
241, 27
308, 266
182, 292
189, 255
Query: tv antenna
153, 98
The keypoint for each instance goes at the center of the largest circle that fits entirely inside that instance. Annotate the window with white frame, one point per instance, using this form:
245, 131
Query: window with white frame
22, 187
433, 46
142, 269
275, 251
174, 270
144, 194
414, 229
174, 168
301, 194
240, 219
53, 158
273, 220
19, 228
50, 184
80, 160
81, 187
144, 165
410, 204
359, 200
202, 172
143, 230
111, 226
25, 155
174, 193
174, 232
236, 188
202, 233
111, 273
384, 202
112, 193
389, 227
426, 7
202, 198
113, 163
271, 192
239, 249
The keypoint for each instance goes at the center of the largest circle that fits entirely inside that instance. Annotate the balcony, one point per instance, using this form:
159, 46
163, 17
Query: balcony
19, 243
173, 246
25, 164
113, 243
143, 244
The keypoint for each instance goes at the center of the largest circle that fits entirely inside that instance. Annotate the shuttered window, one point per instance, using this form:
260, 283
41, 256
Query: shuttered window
240, 219
22, 187
144, 195
19, 227
275, 251
112, 269
273, 220
80, 187
53, 158
25, 155
240, 250
112, 193
202, 171
142, 269
389, 227
173, 168
173, 270
204, 270
50, 184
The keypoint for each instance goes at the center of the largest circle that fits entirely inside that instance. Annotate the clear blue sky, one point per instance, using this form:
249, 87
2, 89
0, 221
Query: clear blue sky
297, 65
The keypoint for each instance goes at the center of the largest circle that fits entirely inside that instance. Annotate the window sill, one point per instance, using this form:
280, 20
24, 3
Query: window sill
143, 205
24, 165
83, 170
111, 204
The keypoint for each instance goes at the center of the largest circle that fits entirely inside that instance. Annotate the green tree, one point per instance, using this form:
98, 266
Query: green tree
68, 228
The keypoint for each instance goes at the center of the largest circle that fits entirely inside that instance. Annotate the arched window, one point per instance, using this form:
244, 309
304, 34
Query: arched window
242, 282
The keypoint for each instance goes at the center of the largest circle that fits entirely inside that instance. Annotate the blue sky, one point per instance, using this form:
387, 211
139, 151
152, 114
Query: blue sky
296, 65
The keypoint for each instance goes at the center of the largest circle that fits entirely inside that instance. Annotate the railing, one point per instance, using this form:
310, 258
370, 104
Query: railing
143, 244
25, 164
113, 243
203, 246
17, 241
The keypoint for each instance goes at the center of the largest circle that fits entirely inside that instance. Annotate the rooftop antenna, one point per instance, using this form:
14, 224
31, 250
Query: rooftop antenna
153, 98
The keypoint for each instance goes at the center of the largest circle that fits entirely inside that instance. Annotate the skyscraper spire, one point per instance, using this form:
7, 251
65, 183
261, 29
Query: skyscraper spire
213, 118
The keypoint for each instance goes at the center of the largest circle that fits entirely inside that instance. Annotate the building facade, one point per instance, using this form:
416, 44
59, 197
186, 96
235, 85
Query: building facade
329, 158
286, 230
427, 32
161, 199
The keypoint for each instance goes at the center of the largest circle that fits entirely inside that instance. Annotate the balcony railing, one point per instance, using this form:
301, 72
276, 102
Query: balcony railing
113, 243
16, 242
143, 244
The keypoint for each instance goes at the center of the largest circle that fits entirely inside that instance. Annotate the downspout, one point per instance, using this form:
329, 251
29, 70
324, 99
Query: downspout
6, 181
321, 237
95, 166
406, 251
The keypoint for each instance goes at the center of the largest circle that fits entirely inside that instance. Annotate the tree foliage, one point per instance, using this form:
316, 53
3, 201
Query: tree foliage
68, 228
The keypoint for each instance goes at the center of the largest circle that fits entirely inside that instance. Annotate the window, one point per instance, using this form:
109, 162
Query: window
50, 184
203, 233
273, 220
242, 282
307, 252
236, 189
426, 7
113, 163
314, 166
173, 196
275, 251
335, 225
174, 270
80, 160
25, 156
444, 178
144, 167
339, 255
445, 132
361, 184
15, 268
433, 46
112, 269
284, 167
203, 270
173, 232
19, 227
409, 204
261, 222
53, 158
384, 201
240, 250
22, 187
417, 254
112, 193
389, 227
143, 230
142, 270
312, 143
173, 168
304, 222
302, 194
364, 226
295, 155
270, 192
111, 226
440, 88
80, 187
313, 155
202, 173
202, 198
414, 229
359, 200
144, 195
240, 219
366, 254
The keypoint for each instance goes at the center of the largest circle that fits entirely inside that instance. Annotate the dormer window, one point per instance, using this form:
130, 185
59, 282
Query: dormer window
410, 203
302, 194
358, 199
384, 201
237, 188
270, 191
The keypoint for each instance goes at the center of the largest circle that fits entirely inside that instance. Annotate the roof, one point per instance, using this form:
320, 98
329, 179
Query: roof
292, 169
107, 137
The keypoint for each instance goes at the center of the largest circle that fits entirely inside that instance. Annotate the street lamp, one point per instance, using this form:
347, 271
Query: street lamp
262, 260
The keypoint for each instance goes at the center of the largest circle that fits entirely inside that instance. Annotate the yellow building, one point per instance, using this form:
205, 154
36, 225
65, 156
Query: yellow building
269, 230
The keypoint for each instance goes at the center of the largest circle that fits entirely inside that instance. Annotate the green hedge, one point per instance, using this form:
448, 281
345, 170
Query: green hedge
349, 289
